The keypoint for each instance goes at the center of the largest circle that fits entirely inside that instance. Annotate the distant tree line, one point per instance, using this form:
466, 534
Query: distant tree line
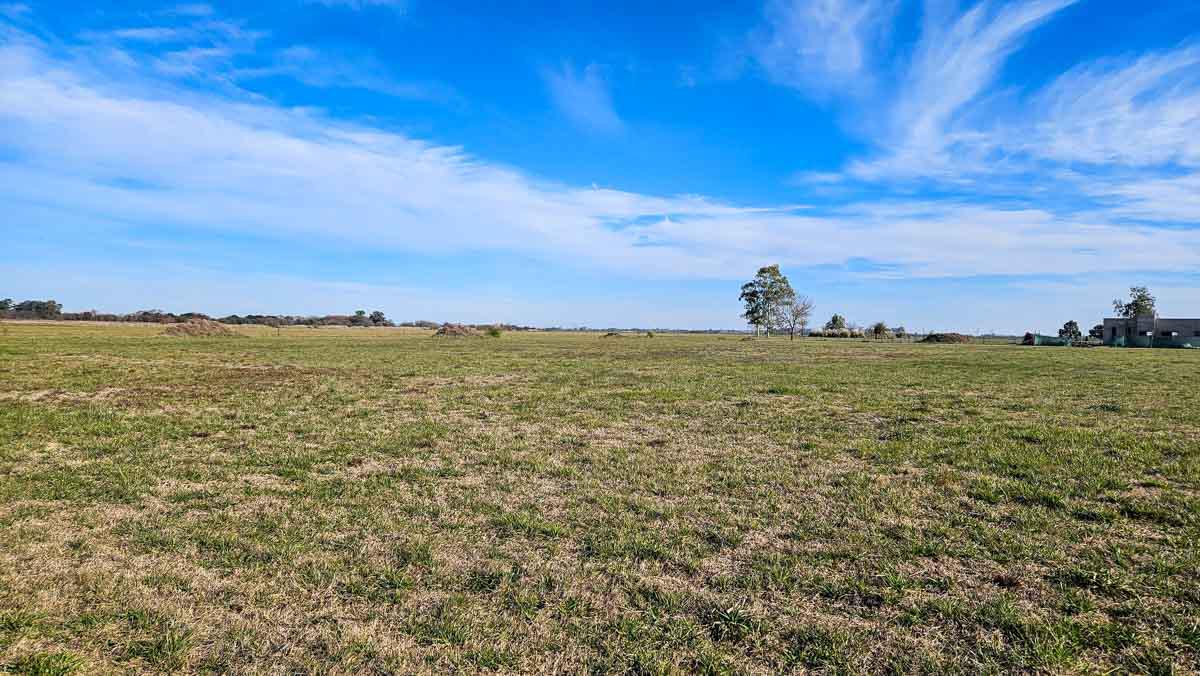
359, 318
51, 309
30, 309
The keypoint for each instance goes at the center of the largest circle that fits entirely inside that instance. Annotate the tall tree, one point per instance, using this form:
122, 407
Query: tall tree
796, 312
1140, 304
879, 330
835, 323
1070, 331
764, 296
6, 304
1097, 332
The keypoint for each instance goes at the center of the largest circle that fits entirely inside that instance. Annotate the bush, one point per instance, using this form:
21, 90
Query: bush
494, 331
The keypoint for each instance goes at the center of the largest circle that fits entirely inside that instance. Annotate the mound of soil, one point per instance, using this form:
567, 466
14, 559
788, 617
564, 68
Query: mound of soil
946, 338
199, 328
455, 331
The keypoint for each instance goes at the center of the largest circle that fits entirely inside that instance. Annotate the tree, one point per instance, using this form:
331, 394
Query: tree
764, 297
1070, 331
900, 332
879, 330
796, 313
379, 319
1141, 303
6, 304
360, 318
38, 309
835, 323
1097, 332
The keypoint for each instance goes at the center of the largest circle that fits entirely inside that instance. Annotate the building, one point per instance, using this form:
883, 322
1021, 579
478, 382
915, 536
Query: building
1151, 332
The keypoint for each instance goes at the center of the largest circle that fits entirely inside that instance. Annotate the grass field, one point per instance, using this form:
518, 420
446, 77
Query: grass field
380, 501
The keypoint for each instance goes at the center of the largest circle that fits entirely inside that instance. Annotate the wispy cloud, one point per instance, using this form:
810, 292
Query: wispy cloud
584, 97
1134, 112
1116, 138
956, 59
321, 68
398, 5
198, 44
191, 9
152, 34
92, 151
823, 46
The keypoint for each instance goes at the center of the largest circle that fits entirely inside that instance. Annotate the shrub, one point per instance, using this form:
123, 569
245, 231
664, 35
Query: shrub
494, 331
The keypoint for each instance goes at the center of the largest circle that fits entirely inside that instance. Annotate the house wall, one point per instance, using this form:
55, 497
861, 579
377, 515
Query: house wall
1165, 332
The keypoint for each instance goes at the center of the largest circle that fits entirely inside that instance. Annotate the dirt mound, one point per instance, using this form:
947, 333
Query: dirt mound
199, 328
946, 338
455, 331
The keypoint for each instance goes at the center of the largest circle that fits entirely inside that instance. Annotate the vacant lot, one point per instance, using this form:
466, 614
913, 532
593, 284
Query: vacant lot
381, 501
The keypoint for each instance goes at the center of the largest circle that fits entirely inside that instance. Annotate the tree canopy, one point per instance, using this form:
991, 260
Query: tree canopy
835, 323
765, 297
1140, 303
1070, 331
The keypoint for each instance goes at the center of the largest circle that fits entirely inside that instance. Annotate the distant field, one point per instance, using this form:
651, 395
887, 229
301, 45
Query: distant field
382, 501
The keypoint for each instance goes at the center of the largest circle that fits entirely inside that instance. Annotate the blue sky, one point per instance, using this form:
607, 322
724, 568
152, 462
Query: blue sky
944, 165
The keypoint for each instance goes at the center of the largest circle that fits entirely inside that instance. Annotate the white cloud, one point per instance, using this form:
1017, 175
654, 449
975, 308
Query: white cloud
584, 98
150, 34
1137, 112
1172, 200
92, 148
398, 5
955, 60
1118, 136
204, 47
823, 46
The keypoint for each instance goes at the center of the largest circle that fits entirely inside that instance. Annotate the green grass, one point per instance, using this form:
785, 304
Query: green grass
382, 501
